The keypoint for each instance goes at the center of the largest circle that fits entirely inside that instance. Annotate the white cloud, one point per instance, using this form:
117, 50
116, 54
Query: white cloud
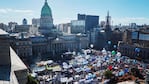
3, 11
9, 10
23, 11
9, 14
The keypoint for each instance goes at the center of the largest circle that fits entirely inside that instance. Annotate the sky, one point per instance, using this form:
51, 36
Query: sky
63, 11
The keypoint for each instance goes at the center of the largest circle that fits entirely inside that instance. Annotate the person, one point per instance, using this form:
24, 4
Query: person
110, 67
137, 81
121, 73
126, 70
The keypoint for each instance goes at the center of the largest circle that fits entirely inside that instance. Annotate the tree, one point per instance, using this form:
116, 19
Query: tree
31, 80
108, 74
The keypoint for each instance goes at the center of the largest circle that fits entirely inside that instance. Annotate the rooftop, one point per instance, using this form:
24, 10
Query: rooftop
3, 32
16, 62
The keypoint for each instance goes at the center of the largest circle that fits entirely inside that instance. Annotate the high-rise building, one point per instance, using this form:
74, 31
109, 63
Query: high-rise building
81, 16
77, 26
36, 22
46, 20
133, 25
91, 21
12, 25
65, 28
4, 27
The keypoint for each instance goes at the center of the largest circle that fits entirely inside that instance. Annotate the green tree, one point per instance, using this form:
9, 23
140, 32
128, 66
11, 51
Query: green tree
31, 80
108, 74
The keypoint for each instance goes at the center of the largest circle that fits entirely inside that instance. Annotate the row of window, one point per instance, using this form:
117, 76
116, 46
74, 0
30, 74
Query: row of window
23, 43
60, 47
130, 51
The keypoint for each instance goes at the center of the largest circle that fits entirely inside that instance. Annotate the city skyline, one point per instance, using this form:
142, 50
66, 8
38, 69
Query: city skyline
122, 11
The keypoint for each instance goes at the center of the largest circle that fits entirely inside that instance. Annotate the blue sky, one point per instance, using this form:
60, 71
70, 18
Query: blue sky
121, 11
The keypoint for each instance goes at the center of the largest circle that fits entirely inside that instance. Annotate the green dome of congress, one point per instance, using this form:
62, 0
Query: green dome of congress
46, 10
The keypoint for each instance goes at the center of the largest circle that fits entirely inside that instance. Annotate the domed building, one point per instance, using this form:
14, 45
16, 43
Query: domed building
46, 20
24, 21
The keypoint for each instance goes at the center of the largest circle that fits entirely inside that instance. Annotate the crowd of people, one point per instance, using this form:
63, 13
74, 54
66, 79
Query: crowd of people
95, 67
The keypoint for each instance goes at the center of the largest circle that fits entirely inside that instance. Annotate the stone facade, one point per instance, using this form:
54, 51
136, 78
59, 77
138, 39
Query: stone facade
59, 45
133, 40
39, 45
23, 47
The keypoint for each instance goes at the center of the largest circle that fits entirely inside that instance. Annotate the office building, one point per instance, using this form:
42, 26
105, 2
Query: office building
36, 22
77, 26
91, 21
12, 25
4, 27
65, 28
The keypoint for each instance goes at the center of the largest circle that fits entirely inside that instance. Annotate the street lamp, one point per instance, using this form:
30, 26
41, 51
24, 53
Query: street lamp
109, 44
137, 50
115, 47
91, 45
